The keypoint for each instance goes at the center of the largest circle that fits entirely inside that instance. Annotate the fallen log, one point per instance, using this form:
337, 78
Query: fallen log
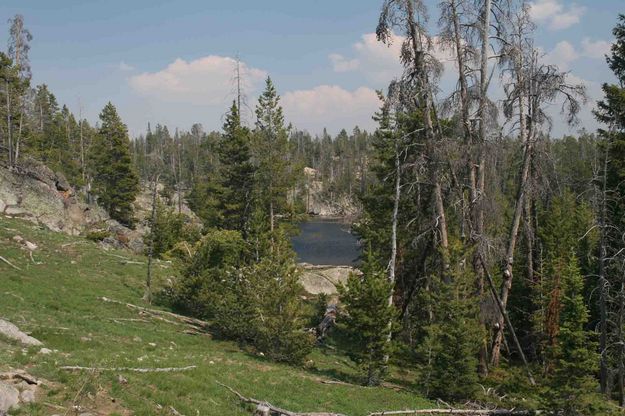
467, 412
136, 370
10, 264
267, 409
186, 319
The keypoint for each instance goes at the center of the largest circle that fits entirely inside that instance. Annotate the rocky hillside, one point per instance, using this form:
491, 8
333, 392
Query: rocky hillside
34, 192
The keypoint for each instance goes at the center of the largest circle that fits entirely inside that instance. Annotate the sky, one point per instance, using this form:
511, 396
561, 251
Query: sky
173, 62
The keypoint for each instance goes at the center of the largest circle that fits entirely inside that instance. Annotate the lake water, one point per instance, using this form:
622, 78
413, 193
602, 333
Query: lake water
326, 241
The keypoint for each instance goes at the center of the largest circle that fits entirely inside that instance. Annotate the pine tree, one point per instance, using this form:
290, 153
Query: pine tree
237, 173
272, 153
454, 336
115, 182
367, 320
573, 383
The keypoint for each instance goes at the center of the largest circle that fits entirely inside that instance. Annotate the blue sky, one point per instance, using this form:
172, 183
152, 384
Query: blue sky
171, 62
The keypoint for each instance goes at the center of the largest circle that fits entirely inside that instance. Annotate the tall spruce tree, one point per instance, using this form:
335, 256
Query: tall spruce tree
573, 383
237, 173
115, 182
272, 153
611, 112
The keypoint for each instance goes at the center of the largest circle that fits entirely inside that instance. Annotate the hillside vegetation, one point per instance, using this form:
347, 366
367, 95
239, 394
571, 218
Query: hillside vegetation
56, 300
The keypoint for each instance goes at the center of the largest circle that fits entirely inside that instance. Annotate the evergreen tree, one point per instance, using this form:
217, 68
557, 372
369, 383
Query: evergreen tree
115, 182
454, 334
573, 384
368, 313
566, 226
611, 112
237, 173
272, 153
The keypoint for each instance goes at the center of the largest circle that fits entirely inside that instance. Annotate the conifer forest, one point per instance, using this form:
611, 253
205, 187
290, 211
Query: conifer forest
491, 269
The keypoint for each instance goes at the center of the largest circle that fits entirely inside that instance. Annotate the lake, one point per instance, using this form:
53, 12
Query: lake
326, 241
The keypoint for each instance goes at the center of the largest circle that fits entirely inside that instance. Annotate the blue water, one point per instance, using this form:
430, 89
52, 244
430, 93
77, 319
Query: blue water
326, 241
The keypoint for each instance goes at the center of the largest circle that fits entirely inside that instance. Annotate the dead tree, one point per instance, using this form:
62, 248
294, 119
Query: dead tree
421, 71
533, 86
147, 296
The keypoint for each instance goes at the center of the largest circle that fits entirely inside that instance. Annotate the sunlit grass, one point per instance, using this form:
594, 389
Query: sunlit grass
56, 301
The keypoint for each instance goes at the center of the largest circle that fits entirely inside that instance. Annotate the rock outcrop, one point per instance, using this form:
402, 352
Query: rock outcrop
33, 192
16, 388
11, 331
318, 279
323, 203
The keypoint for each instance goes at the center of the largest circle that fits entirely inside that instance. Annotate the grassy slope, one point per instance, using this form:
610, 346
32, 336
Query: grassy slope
57, 302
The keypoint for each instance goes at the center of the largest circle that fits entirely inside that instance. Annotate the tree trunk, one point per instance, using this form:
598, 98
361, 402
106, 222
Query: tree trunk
602, 282
9, 128
425, 103
19, 136
393, 259
148, 282
512, 240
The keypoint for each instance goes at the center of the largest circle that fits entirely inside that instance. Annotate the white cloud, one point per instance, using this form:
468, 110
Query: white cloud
204, 81
330, 106
378, 62
342, 64
123, 66
562, 55
556, 14
595, 49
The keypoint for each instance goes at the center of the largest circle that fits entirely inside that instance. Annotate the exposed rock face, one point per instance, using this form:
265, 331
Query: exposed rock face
17, 387
324, 204
33, 192
36, 193
13, 332
324, 279
9, 397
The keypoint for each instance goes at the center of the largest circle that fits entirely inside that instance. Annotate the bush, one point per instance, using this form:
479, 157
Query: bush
169, 228
216, 258
97, 235
253, 302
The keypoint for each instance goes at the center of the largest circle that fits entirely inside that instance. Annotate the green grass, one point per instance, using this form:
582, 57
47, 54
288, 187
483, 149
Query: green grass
57, 302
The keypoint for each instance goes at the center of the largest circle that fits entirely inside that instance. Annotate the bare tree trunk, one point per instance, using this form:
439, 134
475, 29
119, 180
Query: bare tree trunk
512, 240
393, 259
479, 170
9, 128
621, 347
602, 282
502, 310
179, 177
425, 102
82, 146
147, 296
19, 135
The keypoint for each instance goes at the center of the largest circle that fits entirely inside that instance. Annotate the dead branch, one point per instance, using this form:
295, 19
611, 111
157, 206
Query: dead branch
158, 313
273, 410
468, 412
10, 264
135, 370
131, 262
174, 411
